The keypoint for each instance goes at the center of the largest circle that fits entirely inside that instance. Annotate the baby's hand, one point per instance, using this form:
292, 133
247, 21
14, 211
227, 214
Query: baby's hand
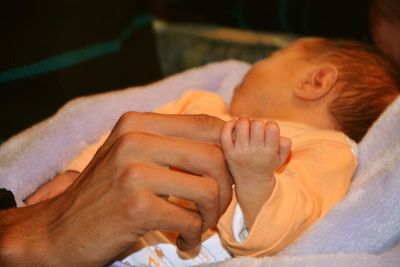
253, 149
52, 188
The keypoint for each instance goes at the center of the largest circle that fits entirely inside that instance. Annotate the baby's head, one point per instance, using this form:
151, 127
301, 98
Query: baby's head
330, 84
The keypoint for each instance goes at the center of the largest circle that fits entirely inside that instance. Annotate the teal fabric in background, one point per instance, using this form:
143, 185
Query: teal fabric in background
70, 58
283, 16
59, 50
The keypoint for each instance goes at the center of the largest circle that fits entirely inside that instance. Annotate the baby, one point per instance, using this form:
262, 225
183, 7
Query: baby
291, 169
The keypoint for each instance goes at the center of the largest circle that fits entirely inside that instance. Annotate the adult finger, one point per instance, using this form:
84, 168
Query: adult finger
197, 158
170, 217
194, 127
203, 191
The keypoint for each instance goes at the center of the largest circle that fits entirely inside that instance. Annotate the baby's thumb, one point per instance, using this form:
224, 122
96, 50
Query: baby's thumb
284, 149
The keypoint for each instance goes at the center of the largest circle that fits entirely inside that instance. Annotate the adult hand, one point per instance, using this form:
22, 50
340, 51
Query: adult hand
121, 195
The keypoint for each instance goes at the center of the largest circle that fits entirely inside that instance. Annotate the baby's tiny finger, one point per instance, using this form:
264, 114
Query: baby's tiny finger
272, 134
257, 133
242, 131
285, 145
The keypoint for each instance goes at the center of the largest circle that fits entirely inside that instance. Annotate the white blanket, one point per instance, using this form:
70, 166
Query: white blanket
363, 230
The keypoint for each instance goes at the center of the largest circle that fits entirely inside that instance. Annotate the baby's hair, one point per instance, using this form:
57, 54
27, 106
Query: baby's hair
366, 84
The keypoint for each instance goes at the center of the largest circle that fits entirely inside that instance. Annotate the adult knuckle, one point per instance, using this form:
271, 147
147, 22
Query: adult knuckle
130, 181
210, 195
211, 192
132, 121
194, 224
130, 141
135, 174
140, 203
127, 117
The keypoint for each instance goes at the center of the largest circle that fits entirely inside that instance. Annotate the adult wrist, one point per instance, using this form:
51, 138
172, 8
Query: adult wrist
24, 238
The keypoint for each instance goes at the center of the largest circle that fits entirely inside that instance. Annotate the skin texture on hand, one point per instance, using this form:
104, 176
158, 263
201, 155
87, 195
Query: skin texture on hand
121, 195
253, 151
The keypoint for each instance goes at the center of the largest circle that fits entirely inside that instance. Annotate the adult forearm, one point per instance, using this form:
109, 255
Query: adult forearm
24, 240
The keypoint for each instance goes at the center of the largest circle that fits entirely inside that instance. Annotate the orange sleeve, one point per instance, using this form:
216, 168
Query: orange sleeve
192, 102
197, 102
316, 177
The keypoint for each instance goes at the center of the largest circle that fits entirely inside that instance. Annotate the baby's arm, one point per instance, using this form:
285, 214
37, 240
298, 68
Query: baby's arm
314, 178
253, 150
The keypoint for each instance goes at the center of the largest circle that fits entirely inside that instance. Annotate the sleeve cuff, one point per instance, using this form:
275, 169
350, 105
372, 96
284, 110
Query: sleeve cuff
239, 228
274, 226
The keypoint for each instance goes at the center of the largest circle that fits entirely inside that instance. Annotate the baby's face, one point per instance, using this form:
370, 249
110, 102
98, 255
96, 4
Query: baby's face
266, 90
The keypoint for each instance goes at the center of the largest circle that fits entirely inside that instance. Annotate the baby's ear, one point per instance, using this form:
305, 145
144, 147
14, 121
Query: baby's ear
318, 83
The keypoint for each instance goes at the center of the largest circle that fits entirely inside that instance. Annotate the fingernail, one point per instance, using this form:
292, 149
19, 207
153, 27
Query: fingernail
273, 127
182, 245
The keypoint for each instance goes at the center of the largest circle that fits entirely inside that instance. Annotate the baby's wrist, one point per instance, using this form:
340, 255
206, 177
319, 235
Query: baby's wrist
21, 249
252, 196
256, 187
255, 181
